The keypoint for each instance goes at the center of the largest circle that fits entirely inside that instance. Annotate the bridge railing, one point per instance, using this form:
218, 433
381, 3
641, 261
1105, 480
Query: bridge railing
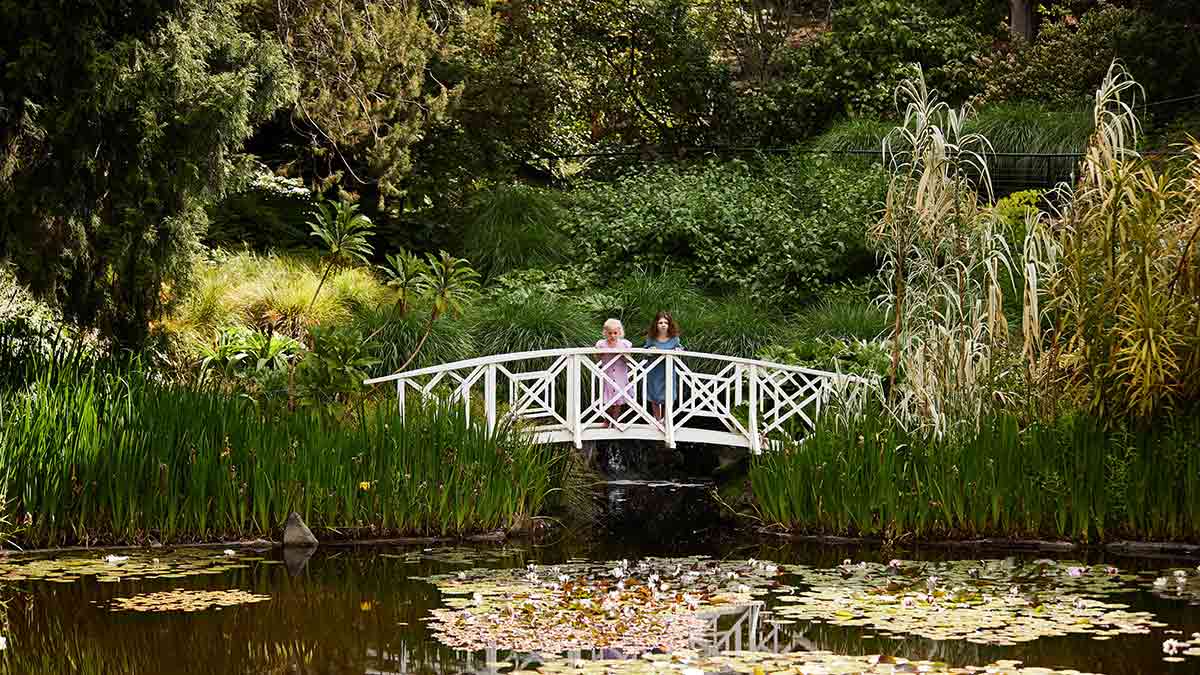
566, 395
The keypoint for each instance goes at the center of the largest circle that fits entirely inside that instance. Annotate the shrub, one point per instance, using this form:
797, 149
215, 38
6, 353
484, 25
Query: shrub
1068, 60
857, 320
782, 228
734, 325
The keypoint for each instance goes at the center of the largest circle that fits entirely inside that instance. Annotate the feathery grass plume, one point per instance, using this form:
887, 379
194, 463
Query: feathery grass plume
1125, 291
942, 257
511, 227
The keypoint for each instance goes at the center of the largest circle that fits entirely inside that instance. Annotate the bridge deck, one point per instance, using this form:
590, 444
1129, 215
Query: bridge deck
567, 395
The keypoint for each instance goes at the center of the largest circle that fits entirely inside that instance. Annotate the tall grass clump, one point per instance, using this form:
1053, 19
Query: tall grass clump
530, 322
857, 134
1069, 478
1124, 284
256, 290
511, 227
396, 336
843, 319
101, 452
734, 325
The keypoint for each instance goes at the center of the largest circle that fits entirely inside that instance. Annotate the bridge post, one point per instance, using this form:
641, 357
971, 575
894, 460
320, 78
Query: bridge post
400, 397
755, 443
489, 396
573, 396
669, 404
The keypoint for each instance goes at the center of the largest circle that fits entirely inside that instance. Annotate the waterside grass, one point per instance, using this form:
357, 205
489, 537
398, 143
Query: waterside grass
104, 454
1069, 479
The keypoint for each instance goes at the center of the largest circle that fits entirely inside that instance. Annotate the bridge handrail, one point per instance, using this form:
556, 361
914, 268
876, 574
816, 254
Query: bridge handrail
570, 351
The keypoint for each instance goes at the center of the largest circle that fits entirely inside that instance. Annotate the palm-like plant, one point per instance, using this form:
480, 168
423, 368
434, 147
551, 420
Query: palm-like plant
409, 275
346, 234
449, 284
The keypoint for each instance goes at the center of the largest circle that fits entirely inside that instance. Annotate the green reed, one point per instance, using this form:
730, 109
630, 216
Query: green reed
1069, 479
101, 453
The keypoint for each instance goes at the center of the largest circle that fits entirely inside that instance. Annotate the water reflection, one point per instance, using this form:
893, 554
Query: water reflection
364, 611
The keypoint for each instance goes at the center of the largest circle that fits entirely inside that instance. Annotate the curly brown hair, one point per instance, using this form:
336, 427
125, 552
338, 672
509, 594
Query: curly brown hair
672, 327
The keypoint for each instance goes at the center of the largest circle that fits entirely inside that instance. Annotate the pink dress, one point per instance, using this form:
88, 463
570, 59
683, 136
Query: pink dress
616, 367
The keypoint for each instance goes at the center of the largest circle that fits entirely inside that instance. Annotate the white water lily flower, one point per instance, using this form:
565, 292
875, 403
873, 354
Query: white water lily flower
847, 562
1172, 647
114, 559
477, 598
664, 587
3, 643
743, 588
771, 569
752, 562
1180, 574
562, 578
229, 552
893, 563
1160, 582
1076, 571
617, 572
462, 575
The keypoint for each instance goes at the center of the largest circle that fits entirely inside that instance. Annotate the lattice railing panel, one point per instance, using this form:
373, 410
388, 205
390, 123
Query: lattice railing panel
567, 395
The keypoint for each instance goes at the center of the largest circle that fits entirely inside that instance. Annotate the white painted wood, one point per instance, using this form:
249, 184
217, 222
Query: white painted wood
546, 391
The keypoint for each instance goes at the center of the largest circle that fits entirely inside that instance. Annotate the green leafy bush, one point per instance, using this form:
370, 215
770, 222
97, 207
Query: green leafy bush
840, 355
854, 67
782, 228
397, 335
1069, 58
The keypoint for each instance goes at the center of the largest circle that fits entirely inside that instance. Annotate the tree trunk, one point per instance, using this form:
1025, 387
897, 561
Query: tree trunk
1020, 19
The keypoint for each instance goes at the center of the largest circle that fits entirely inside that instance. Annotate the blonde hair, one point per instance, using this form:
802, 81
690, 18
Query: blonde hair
615, 323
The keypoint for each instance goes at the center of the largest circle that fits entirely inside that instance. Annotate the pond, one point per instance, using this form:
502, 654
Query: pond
633, 596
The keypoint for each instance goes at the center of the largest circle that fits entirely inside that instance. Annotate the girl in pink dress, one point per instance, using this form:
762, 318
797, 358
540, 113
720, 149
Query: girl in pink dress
615, 367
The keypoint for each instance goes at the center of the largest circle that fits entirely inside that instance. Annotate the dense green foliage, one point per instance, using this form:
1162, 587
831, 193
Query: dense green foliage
100, 452
1066, 478
782, 228
118, 128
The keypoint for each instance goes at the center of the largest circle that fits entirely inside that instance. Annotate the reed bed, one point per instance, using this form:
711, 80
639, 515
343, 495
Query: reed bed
102, 453
1070, 479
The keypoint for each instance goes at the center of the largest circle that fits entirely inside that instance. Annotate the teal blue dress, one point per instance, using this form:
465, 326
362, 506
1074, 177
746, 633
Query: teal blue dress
656, 379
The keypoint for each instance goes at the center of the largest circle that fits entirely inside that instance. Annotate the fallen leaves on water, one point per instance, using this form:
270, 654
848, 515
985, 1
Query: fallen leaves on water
185, 601
655, 603
986, 602
688, 662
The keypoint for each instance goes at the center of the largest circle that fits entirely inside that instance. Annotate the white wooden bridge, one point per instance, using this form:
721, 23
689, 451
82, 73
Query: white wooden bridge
559, 395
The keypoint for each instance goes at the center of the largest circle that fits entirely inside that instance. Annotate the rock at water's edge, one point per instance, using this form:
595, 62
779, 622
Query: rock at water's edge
296, 533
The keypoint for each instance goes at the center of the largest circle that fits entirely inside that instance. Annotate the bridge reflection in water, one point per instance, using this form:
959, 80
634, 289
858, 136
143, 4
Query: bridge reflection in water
737, 628
561, 395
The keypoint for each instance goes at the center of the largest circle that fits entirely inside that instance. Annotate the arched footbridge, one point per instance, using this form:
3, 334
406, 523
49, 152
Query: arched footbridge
565, 395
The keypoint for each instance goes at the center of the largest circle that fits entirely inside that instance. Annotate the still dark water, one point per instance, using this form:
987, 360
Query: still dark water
362, 610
